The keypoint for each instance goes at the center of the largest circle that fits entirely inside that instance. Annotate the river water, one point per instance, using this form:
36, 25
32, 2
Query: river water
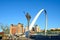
41, 37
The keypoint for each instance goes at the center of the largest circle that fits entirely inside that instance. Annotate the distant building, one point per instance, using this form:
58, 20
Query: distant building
55, 29
36, 29
26, 29
16, 29
13, 29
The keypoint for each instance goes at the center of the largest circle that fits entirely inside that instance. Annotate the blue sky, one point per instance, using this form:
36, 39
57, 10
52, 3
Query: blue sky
12, 12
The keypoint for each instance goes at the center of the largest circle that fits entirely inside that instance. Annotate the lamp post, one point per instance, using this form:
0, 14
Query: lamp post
28, 18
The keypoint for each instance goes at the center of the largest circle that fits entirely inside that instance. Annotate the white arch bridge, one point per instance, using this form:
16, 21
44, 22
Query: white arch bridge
36, 17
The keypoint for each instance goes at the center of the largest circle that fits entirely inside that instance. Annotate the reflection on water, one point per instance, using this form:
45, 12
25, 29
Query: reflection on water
41, 36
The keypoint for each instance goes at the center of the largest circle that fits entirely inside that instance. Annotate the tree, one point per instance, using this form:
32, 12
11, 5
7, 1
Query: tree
5, 29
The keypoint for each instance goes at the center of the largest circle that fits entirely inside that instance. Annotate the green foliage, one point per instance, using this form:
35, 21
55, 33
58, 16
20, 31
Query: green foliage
0, 35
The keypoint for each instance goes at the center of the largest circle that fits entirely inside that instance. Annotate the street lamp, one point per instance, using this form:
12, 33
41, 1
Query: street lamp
28, 18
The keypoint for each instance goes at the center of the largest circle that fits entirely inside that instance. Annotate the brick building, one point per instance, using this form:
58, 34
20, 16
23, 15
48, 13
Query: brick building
16, 29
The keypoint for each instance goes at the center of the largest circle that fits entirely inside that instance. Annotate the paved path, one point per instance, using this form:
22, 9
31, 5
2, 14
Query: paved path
24, 38
21, 38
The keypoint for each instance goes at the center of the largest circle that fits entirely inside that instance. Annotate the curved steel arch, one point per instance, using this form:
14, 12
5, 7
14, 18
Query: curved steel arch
36, 17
